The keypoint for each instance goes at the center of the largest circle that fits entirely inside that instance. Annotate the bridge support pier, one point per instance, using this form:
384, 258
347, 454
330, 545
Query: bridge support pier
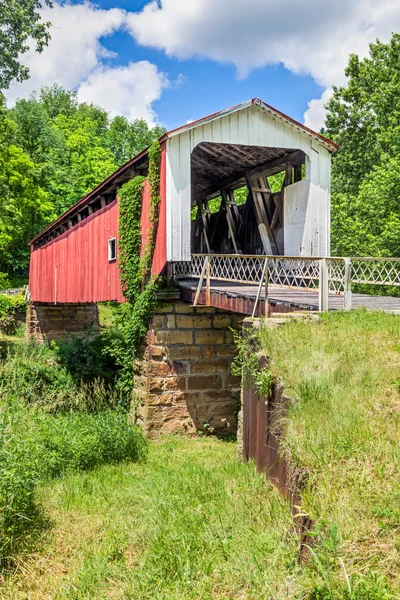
183, 382
56, 321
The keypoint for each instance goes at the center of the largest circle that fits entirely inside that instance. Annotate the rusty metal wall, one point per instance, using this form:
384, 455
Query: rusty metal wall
262, 430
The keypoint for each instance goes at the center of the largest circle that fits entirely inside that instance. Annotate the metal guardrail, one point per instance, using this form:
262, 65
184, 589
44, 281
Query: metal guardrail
327, 275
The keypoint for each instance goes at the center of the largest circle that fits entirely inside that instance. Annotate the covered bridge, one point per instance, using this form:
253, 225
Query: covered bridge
221, 221
185, 378
74, 259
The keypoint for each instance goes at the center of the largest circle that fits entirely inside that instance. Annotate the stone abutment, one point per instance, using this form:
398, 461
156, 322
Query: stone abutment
183, 381
57, 321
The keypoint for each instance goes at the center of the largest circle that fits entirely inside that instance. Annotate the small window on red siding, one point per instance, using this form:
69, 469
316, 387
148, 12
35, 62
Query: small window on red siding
112, 249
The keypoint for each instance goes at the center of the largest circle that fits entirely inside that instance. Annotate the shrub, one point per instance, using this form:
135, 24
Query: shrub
35, 445
86, 359
19, 473
54, 419
5, 283
33, 374
81, 441
30, 373
10, 308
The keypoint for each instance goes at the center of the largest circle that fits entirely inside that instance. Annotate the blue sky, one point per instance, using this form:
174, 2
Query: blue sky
206, 86
171, 61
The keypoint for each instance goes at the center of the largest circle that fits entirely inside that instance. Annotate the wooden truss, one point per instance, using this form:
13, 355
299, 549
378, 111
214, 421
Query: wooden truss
264, 207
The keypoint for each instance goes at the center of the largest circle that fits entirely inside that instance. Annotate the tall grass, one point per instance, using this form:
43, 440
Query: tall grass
191, 523
343, 427
53, 421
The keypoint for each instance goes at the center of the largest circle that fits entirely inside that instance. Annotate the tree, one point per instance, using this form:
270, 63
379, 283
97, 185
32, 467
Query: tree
364, 118
20, 22
54, 151
127, 138
83, 162
24, 207
66, 141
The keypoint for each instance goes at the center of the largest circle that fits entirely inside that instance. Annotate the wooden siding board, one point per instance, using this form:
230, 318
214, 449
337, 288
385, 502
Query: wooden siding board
80, 257
254, 126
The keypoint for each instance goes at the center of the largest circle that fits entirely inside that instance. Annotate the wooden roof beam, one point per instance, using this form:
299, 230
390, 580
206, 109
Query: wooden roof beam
267, 169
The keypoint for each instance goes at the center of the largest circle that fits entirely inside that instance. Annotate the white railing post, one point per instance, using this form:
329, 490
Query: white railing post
323, 303
347, 285
203, 272
208, 287
263, 281
266, 278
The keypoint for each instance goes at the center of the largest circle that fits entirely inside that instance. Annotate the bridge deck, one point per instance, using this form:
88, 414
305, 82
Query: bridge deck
240, 297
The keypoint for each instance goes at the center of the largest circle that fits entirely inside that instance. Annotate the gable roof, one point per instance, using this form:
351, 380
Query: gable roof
329, 144
123, 173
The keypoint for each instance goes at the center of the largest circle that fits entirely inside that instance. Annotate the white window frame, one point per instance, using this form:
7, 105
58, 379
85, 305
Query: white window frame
110, 257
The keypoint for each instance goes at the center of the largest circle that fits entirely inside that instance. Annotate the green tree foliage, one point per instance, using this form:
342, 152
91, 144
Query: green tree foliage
127, 138
364, 118
20, 25
56, 150
25, 207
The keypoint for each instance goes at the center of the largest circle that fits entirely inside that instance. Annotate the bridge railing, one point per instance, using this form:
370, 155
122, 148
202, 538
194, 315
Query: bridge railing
327, 276
12, 291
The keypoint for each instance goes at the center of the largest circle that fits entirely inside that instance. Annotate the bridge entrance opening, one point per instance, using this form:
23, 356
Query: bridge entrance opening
238, 194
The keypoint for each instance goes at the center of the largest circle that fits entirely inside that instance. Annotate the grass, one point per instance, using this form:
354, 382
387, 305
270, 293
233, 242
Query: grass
53, 421
344, 374
193, 522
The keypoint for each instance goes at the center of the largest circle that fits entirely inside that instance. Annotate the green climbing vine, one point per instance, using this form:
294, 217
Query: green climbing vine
247, 364
130, 237
138, 286
154, 154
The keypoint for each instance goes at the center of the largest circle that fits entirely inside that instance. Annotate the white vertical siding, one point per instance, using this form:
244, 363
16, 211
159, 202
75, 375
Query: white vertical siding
254, 126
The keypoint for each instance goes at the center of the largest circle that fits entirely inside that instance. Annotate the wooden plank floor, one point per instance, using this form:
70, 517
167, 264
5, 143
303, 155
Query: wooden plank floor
297, 297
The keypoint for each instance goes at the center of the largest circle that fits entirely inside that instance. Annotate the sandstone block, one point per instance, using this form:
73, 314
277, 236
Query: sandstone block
229, 339
176, 336
172, 426
232, 380
184, 308
176, 411
151, 338
174, 384
169, 398
205, 310
157, 322
222, 321
167, 307
171, 324
210, 366
209, 336
155, 384
193, 322
154, 352
204, 382
179, 367
160, 368
209, 351
226, 350
184, 352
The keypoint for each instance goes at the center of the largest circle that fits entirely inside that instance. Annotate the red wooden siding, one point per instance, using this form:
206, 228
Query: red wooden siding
75, 268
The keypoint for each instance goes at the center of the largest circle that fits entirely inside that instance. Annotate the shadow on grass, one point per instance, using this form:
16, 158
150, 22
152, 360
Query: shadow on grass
27, 540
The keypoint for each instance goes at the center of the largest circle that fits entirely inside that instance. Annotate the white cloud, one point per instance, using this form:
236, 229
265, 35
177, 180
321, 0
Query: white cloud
312, 37
128, 91
314, 117
75, 57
